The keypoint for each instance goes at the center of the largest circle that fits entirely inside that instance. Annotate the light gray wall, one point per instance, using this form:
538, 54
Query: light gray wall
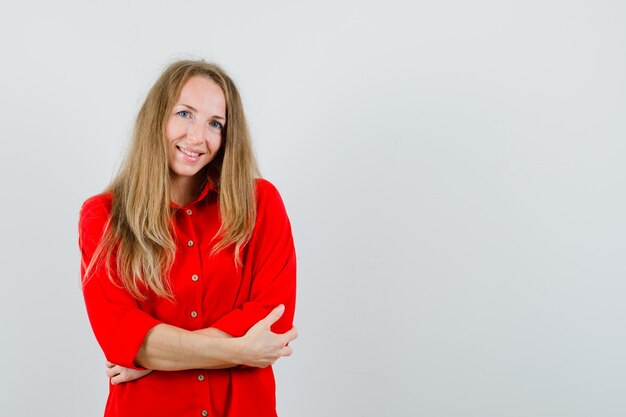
454, 172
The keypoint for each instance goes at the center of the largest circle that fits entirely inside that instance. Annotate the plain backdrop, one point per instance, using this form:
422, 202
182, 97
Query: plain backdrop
453, 170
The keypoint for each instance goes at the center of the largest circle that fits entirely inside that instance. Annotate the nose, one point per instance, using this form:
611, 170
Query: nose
195, 132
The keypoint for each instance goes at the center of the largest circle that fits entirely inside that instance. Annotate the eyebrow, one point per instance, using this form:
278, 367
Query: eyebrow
215, 116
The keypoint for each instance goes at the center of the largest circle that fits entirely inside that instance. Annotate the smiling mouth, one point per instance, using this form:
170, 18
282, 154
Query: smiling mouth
189, 153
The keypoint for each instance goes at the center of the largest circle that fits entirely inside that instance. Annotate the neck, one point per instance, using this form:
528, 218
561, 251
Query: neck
184, 190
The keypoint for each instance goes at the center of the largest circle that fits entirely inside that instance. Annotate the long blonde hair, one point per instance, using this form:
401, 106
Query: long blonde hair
139, 234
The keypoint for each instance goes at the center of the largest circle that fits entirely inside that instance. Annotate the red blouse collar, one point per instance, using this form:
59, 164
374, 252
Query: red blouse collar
209, 186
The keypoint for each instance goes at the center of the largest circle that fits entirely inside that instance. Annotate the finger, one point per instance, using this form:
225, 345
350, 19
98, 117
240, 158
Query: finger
286, 351
116, 379
274, 315
109, 364
111, 372
290, 335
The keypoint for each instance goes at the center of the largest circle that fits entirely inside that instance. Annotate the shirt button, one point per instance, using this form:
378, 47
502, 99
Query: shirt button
190, 243
189, 212
200, 377
194, 314
204, 413
194, 277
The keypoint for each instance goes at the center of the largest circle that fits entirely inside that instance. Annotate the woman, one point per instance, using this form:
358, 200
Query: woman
188, 263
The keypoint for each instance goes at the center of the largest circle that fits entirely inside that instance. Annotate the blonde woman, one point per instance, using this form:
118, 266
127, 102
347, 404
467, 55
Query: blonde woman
188, 262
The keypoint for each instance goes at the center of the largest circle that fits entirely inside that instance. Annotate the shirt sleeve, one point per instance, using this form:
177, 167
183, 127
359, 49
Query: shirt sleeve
118, 323
271, 258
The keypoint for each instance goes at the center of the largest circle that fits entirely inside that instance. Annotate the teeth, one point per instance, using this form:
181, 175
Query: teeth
186, 152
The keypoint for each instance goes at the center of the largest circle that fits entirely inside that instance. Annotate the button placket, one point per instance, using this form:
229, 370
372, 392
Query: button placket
190, 243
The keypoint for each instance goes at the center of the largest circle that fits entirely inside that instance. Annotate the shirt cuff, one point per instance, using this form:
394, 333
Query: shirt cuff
128, 338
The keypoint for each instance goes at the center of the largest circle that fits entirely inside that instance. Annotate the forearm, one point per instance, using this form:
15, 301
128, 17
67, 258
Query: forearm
169, 348
213, 332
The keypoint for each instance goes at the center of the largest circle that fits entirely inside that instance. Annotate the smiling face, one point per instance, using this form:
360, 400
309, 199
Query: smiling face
194, 131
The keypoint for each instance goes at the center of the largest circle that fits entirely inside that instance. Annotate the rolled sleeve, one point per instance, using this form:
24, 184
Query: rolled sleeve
118, 323
270, 259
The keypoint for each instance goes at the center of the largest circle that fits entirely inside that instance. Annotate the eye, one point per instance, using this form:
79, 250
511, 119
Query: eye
184, 113
216, 125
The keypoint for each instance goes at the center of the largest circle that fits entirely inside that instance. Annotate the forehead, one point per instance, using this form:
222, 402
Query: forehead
203, 94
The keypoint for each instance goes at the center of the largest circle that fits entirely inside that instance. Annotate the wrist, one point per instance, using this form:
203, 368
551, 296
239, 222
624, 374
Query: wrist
227, 350
236, 350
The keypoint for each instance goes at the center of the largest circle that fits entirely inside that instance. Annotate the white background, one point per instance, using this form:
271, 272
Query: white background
454, 173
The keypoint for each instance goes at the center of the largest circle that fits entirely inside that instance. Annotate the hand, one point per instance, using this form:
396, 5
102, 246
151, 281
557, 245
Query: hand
119, 374
261, 347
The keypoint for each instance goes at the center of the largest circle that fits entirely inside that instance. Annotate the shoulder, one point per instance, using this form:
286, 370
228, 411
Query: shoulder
270, 205
98, 200
267, 193
265, 188
97, 204
95, 211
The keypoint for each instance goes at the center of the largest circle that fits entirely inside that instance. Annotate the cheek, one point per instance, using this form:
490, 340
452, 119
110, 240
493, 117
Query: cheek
173, 130
214, 142
217, 144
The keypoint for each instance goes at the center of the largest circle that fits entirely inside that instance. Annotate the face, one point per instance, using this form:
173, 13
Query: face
194, 128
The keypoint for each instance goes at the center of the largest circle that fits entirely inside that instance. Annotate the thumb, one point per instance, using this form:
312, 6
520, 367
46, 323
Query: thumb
274, 315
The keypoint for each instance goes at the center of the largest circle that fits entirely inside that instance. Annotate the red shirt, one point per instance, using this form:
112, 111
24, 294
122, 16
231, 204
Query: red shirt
209, 292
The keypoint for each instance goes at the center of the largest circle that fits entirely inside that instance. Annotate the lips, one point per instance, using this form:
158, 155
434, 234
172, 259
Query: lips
189, 152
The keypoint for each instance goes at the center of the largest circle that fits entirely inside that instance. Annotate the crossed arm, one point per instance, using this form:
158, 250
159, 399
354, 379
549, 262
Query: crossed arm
169, 348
